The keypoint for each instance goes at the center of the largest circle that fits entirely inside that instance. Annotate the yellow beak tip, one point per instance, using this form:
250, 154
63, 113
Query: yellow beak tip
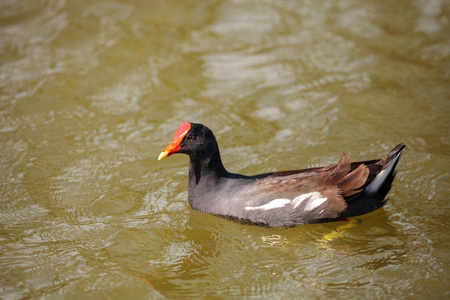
162, 155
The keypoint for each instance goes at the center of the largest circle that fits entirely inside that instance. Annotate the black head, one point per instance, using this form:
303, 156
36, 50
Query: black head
193, 139
199, 142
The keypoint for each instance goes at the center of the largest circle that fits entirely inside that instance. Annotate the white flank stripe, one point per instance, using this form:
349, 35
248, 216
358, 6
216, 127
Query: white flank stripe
298, 200
315, 203
277, 203
314, 200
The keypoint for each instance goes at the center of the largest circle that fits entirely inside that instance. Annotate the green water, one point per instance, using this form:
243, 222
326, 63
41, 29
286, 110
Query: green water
92, 91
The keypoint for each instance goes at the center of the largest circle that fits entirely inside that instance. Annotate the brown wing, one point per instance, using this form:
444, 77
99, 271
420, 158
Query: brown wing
324, 193
335, 182
347, 177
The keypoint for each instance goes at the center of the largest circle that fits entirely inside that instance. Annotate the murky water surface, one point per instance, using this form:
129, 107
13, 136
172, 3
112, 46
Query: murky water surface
92, 91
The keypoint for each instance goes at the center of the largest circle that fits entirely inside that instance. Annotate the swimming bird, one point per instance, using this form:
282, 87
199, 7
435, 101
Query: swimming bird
286, 198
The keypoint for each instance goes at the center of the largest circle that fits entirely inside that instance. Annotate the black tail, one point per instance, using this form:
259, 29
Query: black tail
383, 180
394, 158
376, 190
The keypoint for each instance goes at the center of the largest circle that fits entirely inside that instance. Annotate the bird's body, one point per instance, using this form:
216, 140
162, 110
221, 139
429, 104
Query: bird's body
285, 198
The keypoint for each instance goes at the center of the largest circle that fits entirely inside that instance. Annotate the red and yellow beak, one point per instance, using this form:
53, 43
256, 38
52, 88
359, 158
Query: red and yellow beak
174, 146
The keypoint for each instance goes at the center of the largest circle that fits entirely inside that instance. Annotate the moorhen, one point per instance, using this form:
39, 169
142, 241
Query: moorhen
287, 198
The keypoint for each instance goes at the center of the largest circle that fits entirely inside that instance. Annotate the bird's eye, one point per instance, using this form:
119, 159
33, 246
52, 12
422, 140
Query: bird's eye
191, 137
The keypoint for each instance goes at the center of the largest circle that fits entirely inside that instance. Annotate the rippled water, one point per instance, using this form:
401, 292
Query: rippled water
92, 91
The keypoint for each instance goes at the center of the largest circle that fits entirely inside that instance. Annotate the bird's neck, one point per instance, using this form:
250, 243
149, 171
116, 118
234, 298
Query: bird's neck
205, 177
208, 169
